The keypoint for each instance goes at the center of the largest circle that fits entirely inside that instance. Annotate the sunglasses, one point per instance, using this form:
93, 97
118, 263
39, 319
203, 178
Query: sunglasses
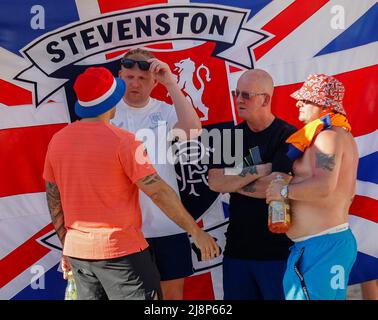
245, 95
129, 63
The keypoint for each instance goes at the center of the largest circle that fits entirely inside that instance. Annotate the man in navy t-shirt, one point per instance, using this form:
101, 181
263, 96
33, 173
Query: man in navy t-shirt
254, 258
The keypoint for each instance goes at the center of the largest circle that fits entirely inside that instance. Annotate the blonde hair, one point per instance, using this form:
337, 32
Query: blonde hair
139, 52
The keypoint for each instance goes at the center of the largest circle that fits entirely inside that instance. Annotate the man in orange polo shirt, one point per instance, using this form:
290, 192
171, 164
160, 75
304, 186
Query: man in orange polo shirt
93, 171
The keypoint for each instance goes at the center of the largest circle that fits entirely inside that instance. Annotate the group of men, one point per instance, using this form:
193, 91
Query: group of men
123, 228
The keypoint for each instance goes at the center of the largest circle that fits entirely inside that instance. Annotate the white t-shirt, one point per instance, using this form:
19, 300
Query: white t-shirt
156, 117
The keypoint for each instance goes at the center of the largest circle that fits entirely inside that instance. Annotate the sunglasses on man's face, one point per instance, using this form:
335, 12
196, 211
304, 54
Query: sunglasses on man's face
129, 63
245, 95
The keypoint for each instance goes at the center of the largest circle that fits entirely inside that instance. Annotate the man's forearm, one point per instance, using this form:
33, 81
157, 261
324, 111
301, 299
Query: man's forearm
221, 181
56, 210
310, 189
187, 118
257, 189
168, 201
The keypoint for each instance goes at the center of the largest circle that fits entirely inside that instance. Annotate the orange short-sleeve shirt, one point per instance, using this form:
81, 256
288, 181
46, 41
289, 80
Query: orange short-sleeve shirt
94, 166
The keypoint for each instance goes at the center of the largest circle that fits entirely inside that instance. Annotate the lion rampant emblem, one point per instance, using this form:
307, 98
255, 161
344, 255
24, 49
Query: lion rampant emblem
186, 69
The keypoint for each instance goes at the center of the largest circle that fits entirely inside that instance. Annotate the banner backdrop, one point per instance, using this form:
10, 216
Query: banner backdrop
44, 45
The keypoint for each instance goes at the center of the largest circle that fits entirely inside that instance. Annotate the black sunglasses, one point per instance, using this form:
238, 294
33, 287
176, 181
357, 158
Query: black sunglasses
129, 63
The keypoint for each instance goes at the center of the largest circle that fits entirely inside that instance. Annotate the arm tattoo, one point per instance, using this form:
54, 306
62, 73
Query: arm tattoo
152, 178
246, 170
56, 211
251, 187
325, 161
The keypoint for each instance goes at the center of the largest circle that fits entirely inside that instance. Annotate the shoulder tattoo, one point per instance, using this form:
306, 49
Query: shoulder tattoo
325, 161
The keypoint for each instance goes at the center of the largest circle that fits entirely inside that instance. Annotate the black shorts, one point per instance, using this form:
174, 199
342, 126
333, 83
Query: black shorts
172, 255
132, 277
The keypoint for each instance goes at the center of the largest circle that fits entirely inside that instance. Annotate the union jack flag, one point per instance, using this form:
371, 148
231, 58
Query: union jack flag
288, 38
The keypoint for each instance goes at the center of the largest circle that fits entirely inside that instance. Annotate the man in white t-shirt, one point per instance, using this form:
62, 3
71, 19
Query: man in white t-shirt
137, 112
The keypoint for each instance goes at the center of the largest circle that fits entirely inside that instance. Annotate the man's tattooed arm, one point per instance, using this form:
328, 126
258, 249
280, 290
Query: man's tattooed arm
56, 212
251, 187
151, 179
234, 179
257, 189
250, 170
325, 161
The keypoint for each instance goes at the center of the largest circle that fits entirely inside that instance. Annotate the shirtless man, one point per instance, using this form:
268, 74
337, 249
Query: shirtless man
320, 194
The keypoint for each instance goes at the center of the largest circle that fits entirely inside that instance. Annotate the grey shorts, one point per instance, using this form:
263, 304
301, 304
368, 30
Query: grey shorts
132, 277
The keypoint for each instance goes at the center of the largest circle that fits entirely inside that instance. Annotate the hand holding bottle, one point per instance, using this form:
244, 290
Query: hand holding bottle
66, 267
273, 192
279, 219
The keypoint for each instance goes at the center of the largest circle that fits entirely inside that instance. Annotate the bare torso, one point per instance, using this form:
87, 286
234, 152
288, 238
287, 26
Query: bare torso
313, 216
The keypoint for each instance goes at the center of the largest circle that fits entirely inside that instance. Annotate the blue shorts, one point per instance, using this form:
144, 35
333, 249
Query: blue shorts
172, 255
318, 268
245, 279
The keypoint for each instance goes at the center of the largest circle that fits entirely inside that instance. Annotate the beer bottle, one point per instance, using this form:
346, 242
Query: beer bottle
279, 218
70, 293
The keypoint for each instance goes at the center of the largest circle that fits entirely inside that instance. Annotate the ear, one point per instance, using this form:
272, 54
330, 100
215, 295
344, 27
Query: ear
266, 100
119, 73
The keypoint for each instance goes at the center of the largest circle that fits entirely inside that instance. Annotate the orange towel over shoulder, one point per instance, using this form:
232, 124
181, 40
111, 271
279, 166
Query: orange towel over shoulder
303, 138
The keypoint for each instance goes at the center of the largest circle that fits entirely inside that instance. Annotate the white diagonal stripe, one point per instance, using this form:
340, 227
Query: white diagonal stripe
28, 115
23, 205
367, 189
333, 63
22, 216
24, 279
267, 13
88, 9
367, 144
366, 233
315, 33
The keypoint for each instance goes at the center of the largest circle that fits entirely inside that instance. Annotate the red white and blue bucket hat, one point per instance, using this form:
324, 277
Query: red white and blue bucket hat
323, 90
97, 91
